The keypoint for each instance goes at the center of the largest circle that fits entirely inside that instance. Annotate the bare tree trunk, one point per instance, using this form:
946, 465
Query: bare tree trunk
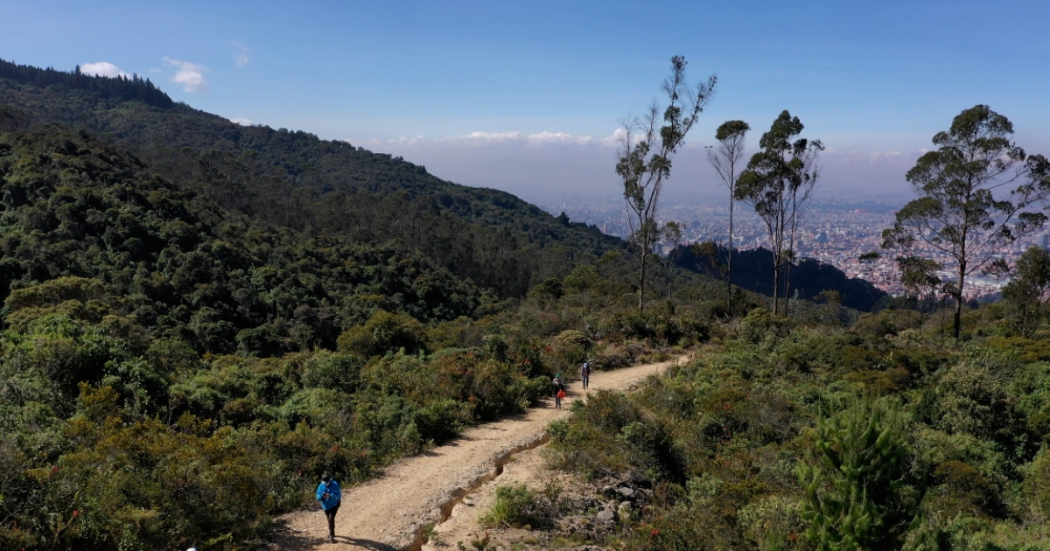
959, 300
776, 286
729, 275
641, 284
669, 276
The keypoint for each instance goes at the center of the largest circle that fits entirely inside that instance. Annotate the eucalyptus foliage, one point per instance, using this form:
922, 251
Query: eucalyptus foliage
778, 183
644, 158
977, 194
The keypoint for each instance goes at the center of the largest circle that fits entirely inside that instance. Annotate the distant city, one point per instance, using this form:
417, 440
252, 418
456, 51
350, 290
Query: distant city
834, 230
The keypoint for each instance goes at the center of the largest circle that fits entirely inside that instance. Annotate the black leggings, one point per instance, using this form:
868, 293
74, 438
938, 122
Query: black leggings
329, 513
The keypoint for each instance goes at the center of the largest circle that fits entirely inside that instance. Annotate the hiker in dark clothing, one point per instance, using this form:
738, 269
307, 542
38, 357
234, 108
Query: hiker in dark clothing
585, 374
329, 494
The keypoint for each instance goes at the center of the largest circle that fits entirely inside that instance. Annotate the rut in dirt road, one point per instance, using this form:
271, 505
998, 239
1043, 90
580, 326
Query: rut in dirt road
392, 511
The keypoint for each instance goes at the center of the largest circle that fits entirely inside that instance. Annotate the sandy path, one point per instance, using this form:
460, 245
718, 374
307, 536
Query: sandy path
388, 512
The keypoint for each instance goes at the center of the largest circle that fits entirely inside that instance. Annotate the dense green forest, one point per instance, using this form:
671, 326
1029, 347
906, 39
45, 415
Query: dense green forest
175, 374
85, 221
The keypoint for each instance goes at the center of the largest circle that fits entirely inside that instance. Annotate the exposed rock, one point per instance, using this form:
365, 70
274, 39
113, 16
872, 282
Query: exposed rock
625, 493
606, 516
624, 510
639, 480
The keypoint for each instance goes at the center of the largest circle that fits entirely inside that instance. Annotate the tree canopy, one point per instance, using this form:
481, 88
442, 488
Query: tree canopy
778, 182
647, 145
977, 191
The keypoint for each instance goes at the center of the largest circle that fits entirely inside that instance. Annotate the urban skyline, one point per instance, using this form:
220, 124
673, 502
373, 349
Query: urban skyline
835, 230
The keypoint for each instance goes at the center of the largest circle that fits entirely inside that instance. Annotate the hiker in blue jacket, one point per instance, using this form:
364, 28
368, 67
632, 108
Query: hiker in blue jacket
329, 494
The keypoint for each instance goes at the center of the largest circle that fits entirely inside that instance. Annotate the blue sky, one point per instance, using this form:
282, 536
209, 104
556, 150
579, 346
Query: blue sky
524, 96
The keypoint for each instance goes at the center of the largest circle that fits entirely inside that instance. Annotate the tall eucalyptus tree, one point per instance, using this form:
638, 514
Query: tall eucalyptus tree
724, 158
778, 182
969, 208
647, 145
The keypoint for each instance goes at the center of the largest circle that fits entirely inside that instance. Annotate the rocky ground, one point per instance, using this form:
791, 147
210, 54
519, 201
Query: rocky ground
585, 514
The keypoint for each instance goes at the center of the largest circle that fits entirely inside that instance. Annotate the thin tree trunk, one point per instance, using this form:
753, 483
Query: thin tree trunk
776, 286
670, 281
729, 276
959, 300
641, 284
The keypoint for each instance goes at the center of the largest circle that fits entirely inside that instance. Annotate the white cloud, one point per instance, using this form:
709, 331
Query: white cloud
189, 75
241, 57
558, 138
506, 140
515, 138
876, 155
102, 69
480, 138
241, 121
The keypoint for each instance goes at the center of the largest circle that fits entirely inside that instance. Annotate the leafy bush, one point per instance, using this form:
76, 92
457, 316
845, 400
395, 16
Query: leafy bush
519, 507
1037, 488
857, 496
384, 332
760, 324
774, 523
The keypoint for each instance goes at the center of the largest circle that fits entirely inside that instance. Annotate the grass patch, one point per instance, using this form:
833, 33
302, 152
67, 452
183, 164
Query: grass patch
519, 507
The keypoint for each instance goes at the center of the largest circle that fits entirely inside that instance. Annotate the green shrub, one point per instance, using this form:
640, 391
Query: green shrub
760, 324
964, 490
857, 496
1037, 488
774, 523
325, 369
382, 333
519, 507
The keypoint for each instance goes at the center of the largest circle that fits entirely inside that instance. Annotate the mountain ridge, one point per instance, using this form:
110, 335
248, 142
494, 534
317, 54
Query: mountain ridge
295, 179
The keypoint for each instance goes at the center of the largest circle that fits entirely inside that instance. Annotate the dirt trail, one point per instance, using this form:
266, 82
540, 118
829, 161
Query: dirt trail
388, 512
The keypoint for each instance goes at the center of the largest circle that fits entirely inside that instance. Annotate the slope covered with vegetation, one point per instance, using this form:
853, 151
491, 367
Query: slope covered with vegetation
201, 318
123, 421
74, 207
885, 435
296, 180
174, 373
753, 270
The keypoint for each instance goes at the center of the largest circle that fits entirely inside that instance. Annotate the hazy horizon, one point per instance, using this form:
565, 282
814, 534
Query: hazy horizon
527, 98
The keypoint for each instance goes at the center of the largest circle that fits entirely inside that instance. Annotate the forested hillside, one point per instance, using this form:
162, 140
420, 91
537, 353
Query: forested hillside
753, 270
175, 374
200, 318
294, 179
174, 262
194, 330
